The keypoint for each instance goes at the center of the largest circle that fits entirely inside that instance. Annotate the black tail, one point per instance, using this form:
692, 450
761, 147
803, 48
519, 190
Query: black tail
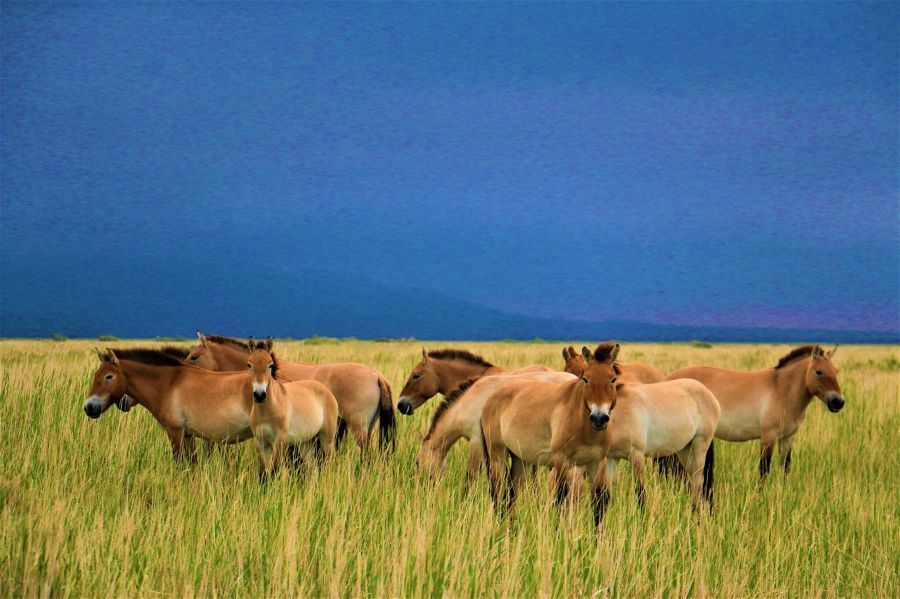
708, 467
387, 425
341, 431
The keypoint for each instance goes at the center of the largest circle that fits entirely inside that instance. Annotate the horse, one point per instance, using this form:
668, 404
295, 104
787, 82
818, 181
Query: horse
187, 402
459, 417
632, 372
362, 392
770, 404
444, 370
287, 417
578, 423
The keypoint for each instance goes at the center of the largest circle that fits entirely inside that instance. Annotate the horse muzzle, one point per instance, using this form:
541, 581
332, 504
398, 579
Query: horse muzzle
259, 396
599, 420
405, 407
835, 403
93, 407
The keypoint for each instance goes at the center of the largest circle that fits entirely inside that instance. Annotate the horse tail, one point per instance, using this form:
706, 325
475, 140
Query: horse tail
387, 424
708, 467
487, 463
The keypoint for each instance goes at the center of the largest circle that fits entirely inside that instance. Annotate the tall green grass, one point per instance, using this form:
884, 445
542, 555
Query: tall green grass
98, 508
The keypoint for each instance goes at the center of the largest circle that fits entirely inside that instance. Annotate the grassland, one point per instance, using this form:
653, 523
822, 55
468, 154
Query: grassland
98, 508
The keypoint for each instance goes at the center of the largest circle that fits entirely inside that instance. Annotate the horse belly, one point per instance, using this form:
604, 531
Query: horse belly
221, 424
739, 423
306, 423
528, 442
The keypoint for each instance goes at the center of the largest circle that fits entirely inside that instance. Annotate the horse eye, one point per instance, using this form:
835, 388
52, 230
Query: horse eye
271, 365
194, 358
820, 373
249, 365
415, 376
585, 380
612, 380
108, 377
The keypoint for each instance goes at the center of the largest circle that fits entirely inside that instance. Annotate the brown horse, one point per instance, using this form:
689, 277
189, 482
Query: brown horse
459, 417
578, 423
362, 392
632, 372
770, 404
444, 370
298, 417
187, 402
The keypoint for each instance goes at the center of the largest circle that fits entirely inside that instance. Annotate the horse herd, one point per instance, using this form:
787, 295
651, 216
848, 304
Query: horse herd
579, 422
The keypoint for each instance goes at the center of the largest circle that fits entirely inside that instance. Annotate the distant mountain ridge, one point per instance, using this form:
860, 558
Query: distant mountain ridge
158, 300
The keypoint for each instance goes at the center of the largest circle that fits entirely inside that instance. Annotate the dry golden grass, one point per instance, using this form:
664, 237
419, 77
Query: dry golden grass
98, 508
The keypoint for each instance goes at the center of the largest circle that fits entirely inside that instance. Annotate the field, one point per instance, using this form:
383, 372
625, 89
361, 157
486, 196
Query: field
98, 508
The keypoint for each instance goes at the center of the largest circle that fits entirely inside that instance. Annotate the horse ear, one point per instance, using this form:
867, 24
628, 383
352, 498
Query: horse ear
614, 353
202, 338
99, 355
269, 344
424, 355
112, 356
832, 352
816, 352
566, 354
250, 343
586, 354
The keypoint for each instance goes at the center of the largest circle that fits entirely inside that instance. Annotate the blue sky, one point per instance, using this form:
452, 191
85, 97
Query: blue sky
728, 164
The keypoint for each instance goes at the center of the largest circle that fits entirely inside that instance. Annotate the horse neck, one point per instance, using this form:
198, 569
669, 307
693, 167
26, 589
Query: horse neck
452, 373
148, 385
229, 358
790, 381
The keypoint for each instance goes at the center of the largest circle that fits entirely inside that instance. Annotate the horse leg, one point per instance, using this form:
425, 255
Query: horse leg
264, 455
476, 457
516, 474
692, 458
784, 450
176, 440
361, 435
602, 481
637, 466
767, 446
190, 449
561, 473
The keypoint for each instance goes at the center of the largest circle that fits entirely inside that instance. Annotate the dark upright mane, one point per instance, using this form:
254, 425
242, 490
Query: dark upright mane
231, 341
166, 356
603, 353
796, 354
449, 400
460, 354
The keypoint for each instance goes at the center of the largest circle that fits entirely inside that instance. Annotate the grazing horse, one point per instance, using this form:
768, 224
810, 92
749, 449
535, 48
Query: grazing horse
444, 370
578, 423
187, 402
362, 392
632, 372
770, 404
459, 417
287, 416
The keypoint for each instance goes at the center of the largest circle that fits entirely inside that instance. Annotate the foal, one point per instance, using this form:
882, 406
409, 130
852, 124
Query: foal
632, 372
287, 416
578, 423
770, 404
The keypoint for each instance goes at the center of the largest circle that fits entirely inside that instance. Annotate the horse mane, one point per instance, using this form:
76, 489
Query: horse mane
796, 354
459, 354
449, 400
603, 353
231, 341
165, 356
